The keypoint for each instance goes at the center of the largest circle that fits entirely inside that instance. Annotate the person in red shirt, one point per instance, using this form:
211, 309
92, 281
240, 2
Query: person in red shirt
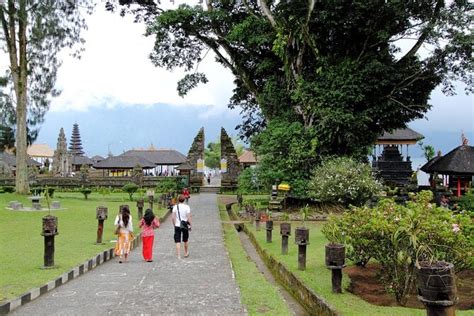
148, 223
186, 194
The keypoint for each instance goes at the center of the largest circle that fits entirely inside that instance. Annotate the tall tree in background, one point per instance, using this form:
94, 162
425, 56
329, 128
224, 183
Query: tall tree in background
33, 33
212, 152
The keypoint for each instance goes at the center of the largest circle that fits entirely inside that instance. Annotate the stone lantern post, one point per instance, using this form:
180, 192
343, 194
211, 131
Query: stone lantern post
50, 229
302, 240
285, 232
101, 215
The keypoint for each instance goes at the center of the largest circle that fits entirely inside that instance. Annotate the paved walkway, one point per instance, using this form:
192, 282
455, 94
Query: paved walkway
201, 284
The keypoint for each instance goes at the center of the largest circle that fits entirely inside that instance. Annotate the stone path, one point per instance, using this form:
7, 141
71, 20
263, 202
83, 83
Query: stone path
201, 284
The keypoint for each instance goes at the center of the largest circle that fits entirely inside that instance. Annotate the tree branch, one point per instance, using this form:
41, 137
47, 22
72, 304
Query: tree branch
424, 35
266, 11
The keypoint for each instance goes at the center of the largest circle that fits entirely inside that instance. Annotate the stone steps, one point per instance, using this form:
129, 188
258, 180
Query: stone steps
210, 189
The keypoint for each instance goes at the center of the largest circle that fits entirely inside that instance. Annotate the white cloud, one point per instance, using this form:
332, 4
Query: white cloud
115, 69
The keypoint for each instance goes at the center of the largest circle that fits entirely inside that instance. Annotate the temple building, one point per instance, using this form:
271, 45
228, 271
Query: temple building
394, 168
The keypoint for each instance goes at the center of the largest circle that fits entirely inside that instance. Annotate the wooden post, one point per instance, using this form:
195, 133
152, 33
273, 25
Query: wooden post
50, 229
335, 261
49, 251
100, 230
140, 204
336, 280
269, 227
101, 215
302, 240
269, 235
257, 221
285, 231
302, 257
284, 244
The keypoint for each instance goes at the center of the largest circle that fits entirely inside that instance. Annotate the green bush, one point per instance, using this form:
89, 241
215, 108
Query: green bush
248, 181
166, 185
130, 188
466, 203
343, 180
85, 191
8, 189
398, 236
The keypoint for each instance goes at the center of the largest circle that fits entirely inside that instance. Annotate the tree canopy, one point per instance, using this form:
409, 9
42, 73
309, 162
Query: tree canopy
324, 78
33, 33
335, 67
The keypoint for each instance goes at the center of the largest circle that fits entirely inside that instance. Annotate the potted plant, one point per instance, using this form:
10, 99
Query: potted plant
285, 227
335, 250
435, 282
269, 222
302, 232
102, 210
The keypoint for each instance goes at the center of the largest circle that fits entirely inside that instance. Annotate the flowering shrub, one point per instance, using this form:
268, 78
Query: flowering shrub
399, 236
343, 180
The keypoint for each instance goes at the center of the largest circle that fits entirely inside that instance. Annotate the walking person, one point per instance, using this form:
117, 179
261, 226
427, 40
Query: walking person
186, 194
124, 229
182, 225
148, 223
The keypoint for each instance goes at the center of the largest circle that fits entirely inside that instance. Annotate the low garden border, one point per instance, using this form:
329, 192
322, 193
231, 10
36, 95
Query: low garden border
88, 265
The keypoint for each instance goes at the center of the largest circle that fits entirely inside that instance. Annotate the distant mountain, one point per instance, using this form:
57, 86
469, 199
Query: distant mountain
122, 128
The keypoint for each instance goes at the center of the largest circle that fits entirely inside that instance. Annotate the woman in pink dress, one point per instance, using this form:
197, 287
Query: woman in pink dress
148, 223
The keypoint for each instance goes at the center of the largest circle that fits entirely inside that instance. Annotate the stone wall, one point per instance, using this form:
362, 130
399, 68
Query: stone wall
230, 177
75, 182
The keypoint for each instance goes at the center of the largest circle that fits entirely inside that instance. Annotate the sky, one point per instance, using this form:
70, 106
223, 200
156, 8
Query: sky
121, 101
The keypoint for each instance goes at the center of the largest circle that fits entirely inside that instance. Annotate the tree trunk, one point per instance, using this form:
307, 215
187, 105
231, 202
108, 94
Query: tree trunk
21, 107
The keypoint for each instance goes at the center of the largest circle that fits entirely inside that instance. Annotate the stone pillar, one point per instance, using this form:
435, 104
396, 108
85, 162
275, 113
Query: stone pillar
50, 229
285, 232
302, 240
335, 258
269, 227
101, 215
257, 221
140, 204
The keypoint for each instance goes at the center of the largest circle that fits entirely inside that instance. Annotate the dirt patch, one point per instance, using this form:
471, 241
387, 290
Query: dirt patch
365, 284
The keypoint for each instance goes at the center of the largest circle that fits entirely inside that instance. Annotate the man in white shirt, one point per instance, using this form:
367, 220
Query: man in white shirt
182, 225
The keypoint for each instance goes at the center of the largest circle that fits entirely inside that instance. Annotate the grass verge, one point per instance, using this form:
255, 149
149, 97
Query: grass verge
22, 248
257, 294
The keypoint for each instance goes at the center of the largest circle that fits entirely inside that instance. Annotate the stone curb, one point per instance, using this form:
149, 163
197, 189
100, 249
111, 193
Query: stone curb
313, 303
88, 265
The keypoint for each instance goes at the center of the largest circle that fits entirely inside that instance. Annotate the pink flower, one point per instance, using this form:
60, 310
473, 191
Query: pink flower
456, 228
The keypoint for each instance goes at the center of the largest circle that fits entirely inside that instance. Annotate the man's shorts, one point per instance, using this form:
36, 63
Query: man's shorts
178, 232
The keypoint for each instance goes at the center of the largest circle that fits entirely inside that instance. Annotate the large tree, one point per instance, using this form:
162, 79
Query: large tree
33, 33
334, 66
321, 78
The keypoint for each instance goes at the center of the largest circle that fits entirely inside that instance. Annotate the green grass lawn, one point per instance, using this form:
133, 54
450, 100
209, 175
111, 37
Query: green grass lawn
22, 246
257, 294
318, 277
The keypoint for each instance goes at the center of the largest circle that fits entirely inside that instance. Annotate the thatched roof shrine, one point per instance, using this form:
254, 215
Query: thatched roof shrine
459, 161
401, 136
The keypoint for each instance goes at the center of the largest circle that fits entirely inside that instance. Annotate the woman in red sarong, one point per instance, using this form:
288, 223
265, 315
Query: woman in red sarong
148, 223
